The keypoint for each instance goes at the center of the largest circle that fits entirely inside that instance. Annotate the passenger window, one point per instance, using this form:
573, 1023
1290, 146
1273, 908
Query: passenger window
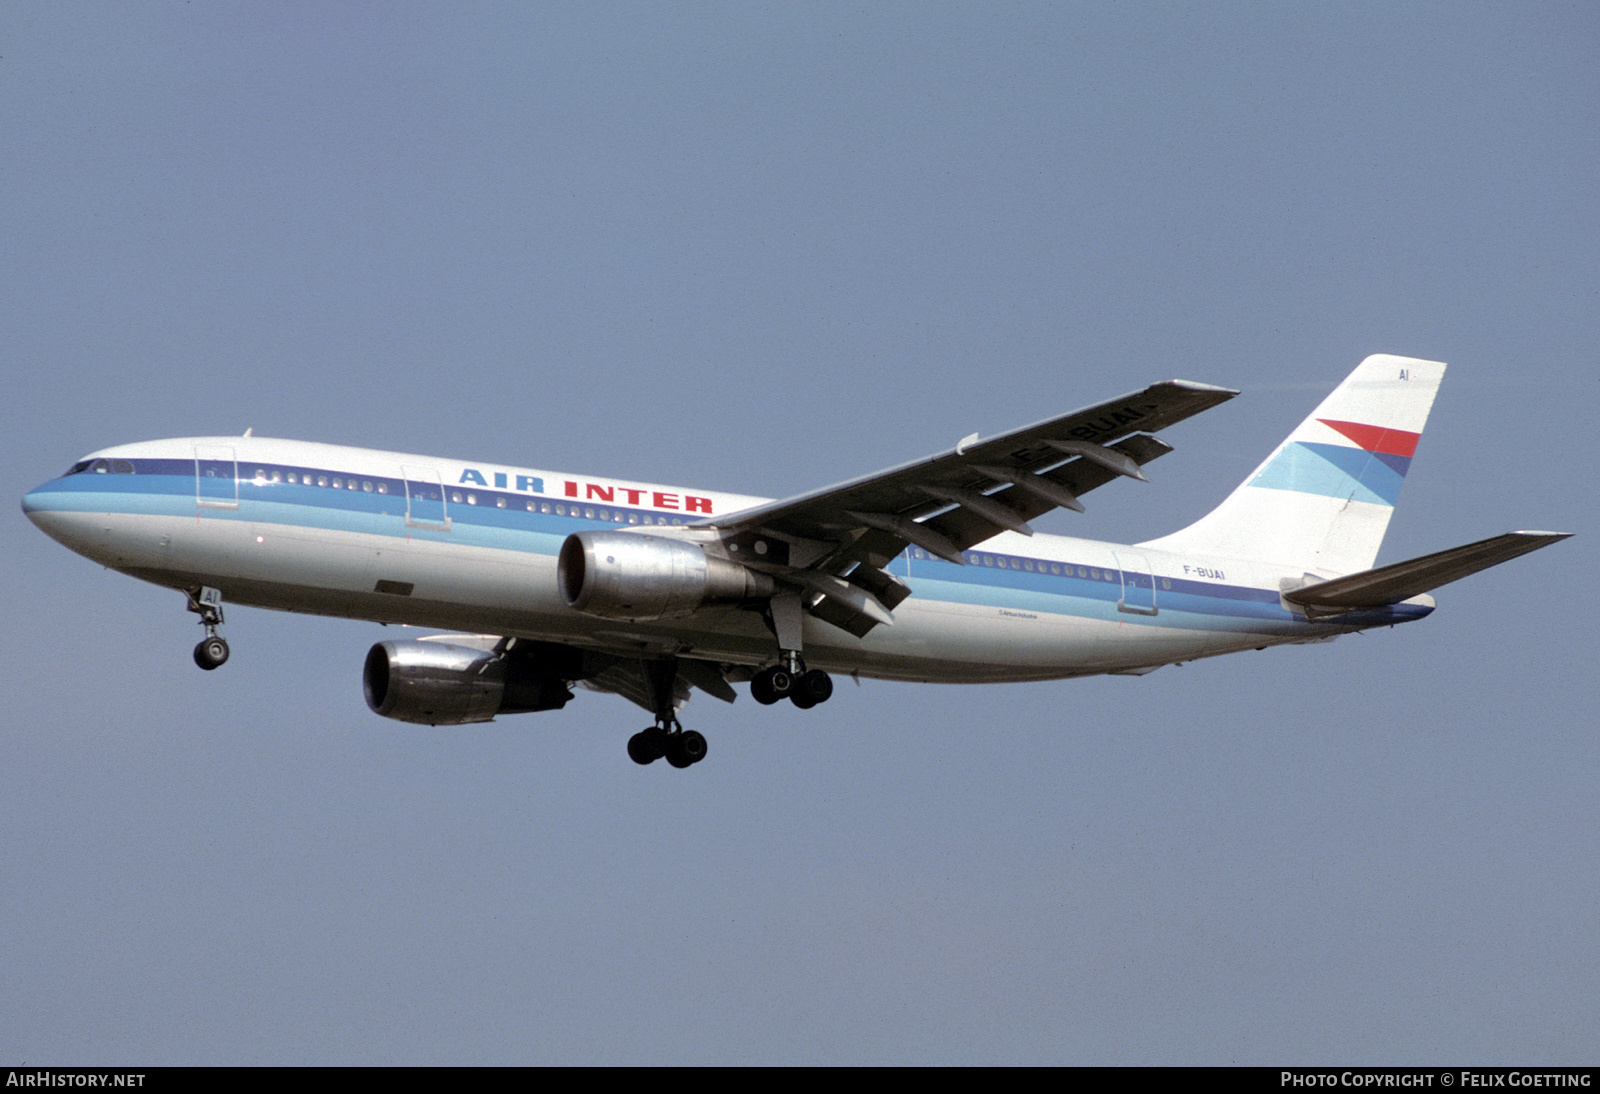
383, 488
322, 480
366, 486
455, 496
499, 503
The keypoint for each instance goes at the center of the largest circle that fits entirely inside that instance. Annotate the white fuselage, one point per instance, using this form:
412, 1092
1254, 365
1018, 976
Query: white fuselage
395, 538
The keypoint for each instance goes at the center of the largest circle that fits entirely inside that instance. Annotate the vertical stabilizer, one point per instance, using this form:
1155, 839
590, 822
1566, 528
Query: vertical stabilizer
1322, 501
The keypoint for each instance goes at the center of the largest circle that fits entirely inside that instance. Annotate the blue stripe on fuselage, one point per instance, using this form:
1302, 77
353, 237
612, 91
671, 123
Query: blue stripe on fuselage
1182, 603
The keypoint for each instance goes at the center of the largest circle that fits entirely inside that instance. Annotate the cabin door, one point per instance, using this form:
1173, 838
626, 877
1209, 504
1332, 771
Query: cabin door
216, 477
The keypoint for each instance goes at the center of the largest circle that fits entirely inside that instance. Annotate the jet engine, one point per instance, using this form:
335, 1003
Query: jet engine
621, 575
438, 684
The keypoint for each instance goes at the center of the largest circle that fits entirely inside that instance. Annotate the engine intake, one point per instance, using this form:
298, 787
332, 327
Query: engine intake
438, 684
621, 575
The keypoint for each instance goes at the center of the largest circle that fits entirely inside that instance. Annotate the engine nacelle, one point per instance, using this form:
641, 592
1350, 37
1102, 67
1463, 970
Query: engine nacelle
623, 575
437, 684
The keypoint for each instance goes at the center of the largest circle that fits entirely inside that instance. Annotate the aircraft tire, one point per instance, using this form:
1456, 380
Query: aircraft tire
646, 747
771, 684
686, 749
692, 745
211, 653
816, 685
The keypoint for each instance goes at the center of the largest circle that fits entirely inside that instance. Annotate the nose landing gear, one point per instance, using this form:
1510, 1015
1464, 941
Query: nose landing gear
212, 651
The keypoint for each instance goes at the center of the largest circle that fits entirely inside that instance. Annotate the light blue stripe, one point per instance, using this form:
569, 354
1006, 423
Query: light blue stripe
1332, 471
1218, 608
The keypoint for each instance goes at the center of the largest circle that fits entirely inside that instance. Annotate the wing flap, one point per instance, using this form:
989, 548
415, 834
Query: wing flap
964, 528
630, 678
706, 676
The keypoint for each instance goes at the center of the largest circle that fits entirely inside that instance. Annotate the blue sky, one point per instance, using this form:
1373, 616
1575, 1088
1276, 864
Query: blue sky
761, 249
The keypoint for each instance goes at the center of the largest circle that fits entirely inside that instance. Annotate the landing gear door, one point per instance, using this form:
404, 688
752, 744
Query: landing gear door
1138, 584
216, 477
425, 501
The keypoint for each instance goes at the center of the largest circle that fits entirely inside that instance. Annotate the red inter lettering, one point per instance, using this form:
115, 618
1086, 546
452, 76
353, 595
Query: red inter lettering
696, 505
570, 489
633, 495
665, 501
602, 493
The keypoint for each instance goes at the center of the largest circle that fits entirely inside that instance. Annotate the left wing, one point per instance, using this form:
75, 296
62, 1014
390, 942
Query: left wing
834, 544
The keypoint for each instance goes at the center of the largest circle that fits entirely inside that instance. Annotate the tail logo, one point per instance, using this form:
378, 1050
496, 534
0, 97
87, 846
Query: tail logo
1375, 438
1369, 465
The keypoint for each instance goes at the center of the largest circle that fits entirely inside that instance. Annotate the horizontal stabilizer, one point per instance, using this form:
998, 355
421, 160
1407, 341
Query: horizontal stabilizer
1403, 580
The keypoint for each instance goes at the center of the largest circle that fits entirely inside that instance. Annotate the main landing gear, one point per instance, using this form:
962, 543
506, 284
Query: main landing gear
681, 747
212, 651
788, 679
805, 689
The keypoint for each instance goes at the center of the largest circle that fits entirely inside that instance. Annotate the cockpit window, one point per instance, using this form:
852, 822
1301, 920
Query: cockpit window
102, 467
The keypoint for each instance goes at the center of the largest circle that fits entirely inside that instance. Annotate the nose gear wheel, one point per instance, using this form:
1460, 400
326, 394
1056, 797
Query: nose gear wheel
212, 651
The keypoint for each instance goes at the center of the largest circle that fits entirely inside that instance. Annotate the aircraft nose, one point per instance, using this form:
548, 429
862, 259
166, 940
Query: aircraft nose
33, 502
43, 505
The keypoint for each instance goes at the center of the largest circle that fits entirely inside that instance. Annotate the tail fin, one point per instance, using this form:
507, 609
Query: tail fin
1322, 501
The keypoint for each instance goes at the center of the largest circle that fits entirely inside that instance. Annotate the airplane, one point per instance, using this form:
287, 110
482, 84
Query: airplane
929, 571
